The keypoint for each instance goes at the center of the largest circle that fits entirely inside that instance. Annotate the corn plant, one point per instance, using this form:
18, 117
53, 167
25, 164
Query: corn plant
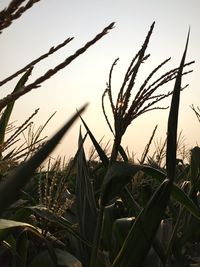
16, 235
123, 214
129, 241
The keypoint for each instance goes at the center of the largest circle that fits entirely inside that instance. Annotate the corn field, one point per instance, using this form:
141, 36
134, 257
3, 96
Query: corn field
105, 209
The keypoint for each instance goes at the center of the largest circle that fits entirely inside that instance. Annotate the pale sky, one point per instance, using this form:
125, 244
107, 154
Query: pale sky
50, 22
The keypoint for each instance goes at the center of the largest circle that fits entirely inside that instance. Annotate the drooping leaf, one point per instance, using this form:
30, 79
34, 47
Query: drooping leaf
118, 175
177, 193
14, 182
121, 173
9, 225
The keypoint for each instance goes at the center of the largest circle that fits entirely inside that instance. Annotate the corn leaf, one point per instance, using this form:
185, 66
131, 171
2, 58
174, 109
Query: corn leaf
99, 150
195, 164
86, 206
121, 227
58, 222
13, 183
177, 193
6, 114
118, 176
123, 153
8, 225
142, 233
64, 259
85, 202
22, 248
173, 120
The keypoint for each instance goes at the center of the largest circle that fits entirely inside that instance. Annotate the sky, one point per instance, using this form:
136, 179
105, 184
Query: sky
50, 22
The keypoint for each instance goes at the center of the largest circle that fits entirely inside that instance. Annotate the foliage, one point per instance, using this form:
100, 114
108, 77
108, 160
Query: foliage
110, 212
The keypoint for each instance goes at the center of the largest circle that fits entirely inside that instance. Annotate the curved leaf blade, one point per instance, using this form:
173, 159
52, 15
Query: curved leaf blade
143, 231
118, 176
13, 183
177, 193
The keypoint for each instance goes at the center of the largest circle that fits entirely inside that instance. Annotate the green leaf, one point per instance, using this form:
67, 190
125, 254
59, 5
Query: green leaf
195, 164
22, 248
143, 231
59, 222
177, 193
99, 150
111, 213
8, 225
6, 114
118, 176
121, 173
123, 153
173, 120
42, 259
120, 230
13, 183
85, 203
64, 259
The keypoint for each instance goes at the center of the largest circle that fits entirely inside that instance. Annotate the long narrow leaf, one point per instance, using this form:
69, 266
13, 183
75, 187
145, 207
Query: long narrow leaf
142, 233
99, 150
177, 193
85, 203
6, 114
173, 120
7, 225
120, 174
10, 188
59, 222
